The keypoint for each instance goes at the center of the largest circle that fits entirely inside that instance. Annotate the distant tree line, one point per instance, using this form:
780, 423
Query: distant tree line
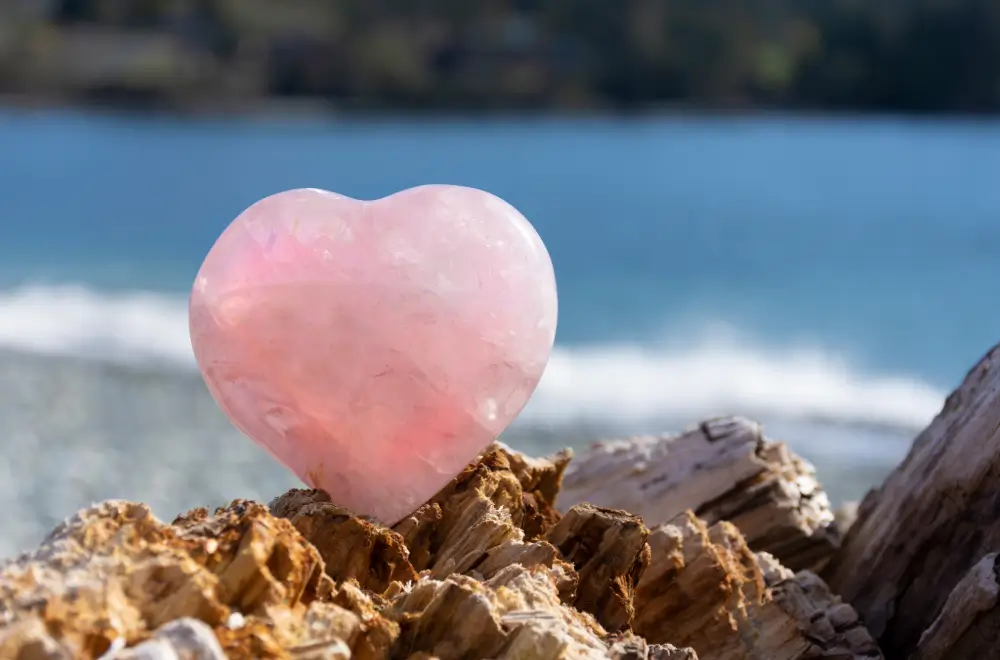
850, 55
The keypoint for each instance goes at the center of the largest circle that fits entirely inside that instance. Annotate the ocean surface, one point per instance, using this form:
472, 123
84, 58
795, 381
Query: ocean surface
833, 279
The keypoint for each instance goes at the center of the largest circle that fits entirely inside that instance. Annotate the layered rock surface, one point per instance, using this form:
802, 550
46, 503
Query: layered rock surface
699, 545
488, 568
723, 469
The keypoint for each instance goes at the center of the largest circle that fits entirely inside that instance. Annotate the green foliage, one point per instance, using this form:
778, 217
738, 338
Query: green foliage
896, 55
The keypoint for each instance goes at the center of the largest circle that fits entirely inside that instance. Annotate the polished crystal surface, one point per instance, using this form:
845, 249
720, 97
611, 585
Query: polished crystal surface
375, 347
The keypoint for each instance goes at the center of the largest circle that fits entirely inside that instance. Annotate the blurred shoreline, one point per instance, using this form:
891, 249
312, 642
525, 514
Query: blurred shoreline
194, 56
311, 110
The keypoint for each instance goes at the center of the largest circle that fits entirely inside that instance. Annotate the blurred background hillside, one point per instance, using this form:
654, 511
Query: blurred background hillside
895, 55
783, 209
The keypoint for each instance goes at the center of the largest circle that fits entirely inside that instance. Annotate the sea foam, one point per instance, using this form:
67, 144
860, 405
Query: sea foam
595, 383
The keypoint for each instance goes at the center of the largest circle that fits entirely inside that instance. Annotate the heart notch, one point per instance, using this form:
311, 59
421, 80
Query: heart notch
375, 348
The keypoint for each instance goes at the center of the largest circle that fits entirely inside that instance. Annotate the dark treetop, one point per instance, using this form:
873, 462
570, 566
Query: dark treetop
851, 55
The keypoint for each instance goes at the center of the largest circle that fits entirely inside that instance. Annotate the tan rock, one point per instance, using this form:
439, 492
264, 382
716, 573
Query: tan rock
609, 551
352, 548
706, 589
723, 469
516, 614
114, 576
473, 526
182, 639
487, 569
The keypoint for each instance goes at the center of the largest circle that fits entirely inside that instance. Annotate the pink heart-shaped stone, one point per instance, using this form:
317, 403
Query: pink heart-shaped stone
375, 348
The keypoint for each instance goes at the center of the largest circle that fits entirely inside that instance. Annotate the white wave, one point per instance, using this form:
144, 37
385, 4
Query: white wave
602, 383
75, 321
713, 378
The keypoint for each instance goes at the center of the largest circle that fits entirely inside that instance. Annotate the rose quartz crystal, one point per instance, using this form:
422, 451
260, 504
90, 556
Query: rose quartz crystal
375, 348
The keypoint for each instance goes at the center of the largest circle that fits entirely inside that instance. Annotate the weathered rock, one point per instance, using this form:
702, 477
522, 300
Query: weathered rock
30, 639
108, 578
375, 635
935, 517
516, 614
802, 619
352, 548
541, 481
697, 587
725, 469
706, 589
630, 647
485, 489
183, 639
473, 526
609, 551
259, 560
520, 489
458, 579
969, 624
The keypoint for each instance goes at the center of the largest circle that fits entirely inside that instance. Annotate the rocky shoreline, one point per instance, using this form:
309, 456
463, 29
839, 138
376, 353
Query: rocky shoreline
716, 543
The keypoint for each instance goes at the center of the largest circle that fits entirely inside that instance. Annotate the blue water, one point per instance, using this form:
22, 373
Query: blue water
814, 273
880, 239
